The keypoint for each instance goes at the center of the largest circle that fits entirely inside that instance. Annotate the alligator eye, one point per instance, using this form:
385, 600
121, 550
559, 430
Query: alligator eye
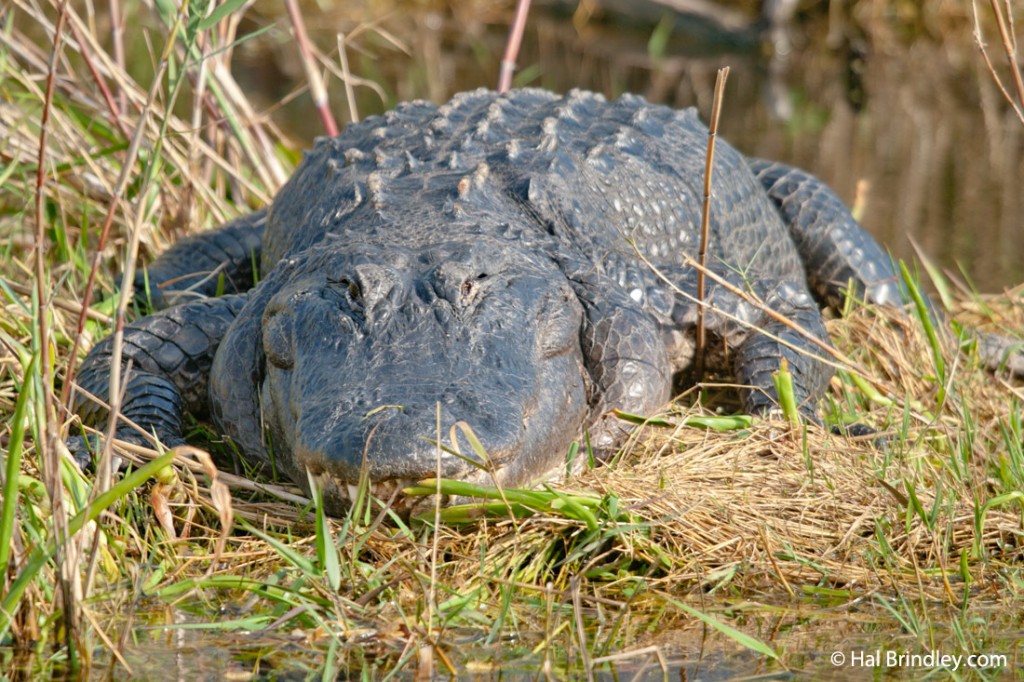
350, 290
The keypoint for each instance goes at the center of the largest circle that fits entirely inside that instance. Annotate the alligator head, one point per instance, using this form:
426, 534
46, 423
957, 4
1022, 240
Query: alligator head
369, 353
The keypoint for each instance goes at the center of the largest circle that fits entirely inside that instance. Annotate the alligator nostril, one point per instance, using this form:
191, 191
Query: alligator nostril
469, 287
278, 337
355, 292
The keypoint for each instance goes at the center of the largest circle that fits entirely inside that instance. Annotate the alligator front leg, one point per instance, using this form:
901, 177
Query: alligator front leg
220, 261
166, 360
625, 355
797, 337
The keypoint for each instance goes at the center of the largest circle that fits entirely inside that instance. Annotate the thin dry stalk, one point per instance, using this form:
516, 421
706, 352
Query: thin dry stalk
705, 219
346, 79
646, 652
1005, 24
435, 544
581, 631
105, 465
1010, 47
316, 83
839, 359
101, 83
68, 577
515, 39
117, 41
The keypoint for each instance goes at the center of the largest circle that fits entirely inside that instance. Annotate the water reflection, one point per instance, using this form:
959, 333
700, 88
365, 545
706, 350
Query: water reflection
814, 640
910, 127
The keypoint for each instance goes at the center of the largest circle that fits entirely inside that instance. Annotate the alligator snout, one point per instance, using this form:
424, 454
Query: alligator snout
399, 442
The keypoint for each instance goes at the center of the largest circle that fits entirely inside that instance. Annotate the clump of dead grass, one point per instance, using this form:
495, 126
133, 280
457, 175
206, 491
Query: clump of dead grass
928, 504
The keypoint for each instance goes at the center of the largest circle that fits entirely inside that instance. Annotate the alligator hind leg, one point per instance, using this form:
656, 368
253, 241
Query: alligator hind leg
224, 260
838, 252
167, 357
750, 336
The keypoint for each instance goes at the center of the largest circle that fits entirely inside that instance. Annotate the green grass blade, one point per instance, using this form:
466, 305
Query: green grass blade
297, 560
783, 380
40, 555
923, 314
219, 12
741, 638
326, 551
13, 468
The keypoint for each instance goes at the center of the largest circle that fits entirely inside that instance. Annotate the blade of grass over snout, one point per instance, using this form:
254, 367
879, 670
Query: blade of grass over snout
455, 488
587, 508
925, 318
41, 554
712, 422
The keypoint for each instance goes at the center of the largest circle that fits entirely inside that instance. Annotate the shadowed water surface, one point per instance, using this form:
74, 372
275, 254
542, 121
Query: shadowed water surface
817, 641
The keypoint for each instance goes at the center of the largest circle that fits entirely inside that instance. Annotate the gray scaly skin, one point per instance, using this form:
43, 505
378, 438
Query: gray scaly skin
477, 262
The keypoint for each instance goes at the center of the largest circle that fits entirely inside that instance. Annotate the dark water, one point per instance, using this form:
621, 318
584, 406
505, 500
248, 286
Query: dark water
897, 114
813, 640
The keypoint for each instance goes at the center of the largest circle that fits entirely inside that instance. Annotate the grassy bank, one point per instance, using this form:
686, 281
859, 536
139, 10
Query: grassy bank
705, 524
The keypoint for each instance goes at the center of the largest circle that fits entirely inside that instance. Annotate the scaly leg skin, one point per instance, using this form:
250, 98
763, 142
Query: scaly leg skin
218, 261
625, 356
744, 339
170, 354
837, 251
834, 248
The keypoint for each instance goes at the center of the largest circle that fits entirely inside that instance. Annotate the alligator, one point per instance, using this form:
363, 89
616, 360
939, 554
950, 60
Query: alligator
520, 263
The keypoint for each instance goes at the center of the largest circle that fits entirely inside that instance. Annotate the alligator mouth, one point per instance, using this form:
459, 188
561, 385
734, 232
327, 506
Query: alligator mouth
340, 495
400, 445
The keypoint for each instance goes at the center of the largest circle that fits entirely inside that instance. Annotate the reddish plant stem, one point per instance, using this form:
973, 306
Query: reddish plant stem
316, 85
108, 96
1010, 46
515, 40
